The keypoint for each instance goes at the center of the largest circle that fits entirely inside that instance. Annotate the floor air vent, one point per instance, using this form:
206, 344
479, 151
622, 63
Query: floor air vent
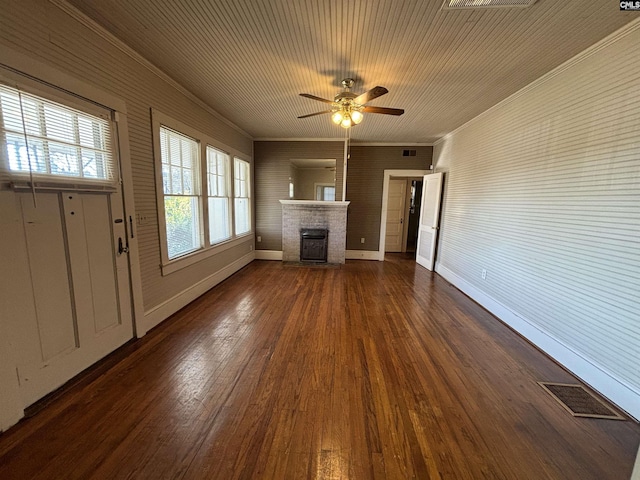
578, 401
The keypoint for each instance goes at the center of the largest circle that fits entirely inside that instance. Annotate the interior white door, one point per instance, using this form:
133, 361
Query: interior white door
72, 303
429, 220
395, 214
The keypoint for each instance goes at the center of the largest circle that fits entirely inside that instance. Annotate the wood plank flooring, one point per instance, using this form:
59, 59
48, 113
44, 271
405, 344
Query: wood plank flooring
376, 370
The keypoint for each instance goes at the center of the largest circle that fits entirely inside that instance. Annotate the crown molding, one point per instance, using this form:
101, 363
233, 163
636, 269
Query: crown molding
355, 143
293, 139
102, 32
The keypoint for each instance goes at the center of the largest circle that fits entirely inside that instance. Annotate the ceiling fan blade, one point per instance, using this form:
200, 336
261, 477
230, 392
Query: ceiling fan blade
314, 114
383, 110
313, 97
375, 92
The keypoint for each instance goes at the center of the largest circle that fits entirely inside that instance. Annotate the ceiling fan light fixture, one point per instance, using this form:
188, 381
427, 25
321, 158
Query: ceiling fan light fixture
356, 116
337, 117
347, 108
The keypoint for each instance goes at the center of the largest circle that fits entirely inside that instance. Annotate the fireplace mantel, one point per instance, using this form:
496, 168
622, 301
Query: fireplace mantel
297, 214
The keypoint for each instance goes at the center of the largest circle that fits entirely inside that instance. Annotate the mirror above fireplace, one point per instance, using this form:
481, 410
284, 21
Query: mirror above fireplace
312, 179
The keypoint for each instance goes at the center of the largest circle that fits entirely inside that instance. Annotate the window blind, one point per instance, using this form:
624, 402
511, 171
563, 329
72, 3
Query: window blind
51, 143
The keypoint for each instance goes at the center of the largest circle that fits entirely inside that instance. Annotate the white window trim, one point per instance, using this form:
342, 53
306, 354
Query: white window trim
167, 265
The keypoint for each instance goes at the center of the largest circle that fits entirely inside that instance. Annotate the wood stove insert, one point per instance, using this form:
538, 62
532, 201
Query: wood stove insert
314, 245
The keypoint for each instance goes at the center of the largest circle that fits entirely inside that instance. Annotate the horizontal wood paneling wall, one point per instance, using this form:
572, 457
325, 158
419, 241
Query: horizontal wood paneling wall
272, 167
543, 191
46, 33
365, 177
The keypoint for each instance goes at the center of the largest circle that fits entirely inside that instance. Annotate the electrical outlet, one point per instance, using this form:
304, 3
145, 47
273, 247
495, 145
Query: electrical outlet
259, 239
484, 274
362, 240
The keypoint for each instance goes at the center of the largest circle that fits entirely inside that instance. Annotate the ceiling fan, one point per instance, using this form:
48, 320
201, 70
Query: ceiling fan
347, 107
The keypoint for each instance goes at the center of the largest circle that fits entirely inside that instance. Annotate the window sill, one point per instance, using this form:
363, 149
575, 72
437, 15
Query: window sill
200, 255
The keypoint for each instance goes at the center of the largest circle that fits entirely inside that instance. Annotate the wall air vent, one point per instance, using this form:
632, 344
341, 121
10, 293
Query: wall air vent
408, 153
463, 4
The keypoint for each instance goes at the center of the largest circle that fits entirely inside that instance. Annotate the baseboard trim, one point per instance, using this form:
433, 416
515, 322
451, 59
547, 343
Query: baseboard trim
362, 255
167, 308
616, 390
268, 255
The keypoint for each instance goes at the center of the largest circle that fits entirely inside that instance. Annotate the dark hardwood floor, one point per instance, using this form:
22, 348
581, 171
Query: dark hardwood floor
372, 370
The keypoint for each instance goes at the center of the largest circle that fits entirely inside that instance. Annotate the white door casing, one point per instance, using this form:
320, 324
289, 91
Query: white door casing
388, 175
395, 214
429, 220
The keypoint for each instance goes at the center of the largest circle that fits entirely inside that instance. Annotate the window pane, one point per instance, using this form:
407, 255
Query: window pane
19, 158
183, 225
217, 172
176, 181
59, 124
242, 216
241, 193
329, 194
219, 226
64, 159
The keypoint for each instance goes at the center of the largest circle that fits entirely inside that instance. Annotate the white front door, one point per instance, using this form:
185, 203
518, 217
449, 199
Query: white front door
70, 295
395, 214
429, 220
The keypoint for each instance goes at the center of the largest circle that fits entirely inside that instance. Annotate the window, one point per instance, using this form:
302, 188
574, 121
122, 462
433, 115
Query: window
181, 190
200, 192
242, 195
49, 141
219, 200
325, 192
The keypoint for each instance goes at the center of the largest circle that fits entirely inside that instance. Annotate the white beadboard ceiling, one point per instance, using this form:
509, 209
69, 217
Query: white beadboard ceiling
249, 60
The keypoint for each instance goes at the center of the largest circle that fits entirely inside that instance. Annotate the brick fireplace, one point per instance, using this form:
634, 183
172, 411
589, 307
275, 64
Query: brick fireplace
312, 215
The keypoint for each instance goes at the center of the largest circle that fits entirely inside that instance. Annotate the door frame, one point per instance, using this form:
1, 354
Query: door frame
20, 67
385, 193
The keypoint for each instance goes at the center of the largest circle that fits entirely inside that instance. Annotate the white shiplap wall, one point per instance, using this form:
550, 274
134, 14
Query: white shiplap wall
543, 191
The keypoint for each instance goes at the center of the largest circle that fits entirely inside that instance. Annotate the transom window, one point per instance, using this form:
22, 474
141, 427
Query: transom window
49, 141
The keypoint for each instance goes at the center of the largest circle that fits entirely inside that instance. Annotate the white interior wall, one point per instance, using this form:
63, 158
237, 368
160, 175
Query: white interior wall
543, 192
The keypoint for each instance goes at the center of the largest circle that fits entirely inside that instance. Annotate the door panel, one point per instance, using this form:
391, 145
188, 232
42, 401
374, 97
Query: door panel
395, 213
77, 284
49, 276
91, 253
429, 220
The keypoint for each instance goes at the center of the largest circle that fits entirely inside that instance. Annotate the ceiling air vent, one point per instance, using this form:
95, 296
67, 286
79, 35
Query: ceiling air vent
461, 4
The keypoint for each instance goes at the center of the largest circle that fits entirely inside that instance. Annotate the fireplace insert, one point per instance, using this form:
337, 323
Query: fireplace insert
314, 245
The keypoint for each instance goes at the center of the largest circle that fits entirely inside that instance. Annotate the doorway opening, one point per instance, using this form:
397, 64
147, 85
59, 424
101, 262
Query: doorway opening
397, 213
403, 214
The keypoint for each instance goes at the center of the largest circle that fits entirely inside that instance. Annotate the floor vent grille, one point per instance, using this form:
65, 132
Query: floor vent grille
580, 402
